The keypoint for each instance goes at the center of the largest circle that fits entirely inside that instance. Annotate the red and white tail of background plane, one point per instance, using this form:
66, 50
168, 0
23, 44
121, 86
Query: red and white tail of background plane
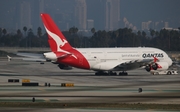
101, 59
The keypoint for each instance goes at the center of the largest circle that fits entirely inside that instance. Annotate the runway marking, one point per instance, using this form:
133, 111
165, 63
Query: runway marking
46, 99
41, 89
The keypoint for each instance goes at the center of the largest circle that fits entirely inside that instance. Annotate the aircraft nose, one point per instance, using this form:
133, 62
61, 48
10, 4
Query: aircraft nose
170, 62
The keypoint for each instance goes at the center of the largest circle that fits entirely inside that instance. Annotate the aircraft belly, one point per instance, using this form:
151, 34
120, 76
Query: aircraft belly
128, 67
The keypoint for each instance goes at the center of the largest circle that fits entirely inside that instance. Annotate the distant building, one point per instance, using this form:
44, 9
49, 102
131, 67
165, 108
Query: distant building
174, 29
144, 26
160, 25
166, 24
112, 14
147, 25
90, 24
96, 11
80, 14
25, 14
62, 12
38, 7
154, 25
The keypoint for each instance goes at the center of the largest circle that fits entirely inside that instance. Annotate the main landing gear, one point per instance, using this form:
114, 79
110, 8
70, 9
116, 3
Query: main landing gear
123, 73
103, 73
110, 73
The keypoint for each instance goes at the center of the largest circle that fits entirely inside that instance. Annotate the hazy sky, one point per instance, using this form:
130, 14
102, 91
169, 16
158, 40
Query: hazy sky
155, 9
145, 10
136, 11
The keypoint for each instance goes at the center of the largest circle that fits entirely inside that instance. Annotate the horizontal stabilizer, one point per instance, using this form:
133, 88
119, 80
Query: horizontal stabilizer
63, 56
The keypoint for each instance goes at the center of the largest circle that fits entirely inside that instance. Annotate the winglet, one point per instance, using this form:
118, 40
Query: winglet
56, 39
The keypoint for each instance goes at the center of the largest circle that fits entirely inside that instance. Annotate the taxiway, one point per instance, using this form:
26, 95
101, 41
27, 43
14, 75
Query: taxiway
88, 88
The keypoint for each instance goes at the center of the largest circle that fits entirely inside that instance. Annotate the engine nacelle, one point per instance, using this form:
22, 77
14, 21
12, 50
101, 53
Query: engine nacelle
148, 68
157, 66
154, 66
64, 67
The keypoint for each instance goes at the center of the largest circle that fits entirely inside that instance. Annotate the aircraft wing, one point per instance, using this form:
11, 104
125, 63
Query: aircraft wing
133, 64
123, 65
28, 57
31, 55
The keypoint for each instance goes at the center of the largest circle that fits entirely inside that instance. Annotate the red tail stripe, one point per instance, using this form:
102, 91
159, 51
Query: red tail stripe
51, 26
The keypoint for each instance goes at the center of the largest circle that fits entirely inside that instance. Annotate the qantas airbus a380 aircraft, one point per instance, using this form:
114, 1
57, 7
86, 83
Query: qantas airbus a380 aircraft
101, 60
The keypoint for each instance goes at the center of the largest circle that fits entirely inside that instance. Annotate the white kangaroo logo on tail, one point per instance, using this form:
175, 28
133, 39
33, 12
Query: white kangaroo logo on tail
59, 42
57, 39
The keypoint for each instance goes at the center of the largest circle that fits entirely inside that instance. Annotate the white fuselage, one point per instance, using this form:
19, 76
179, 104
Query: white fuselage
100, 55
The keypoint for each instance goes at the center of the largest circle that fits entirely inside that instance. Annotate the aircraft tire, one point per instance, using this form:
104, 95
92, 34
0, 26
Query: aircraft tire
126, 73
148, 68
169, 73
112, 73
97, 74
123, 73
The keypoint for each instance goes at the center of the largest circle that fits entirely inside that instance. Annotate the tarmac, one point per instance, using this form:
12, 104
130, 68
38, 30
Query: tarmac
88, 88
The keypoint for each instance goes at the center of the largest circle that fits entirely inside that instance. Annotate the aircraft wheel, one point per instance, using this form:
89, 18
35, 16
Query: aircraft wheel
123, 73
105, 74
97, 73
169, 73
112, 73
101, 73
120, 73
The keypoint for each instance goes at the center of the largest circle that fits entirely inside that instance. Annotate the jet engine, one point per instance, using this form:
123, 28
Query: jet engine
148, 67
154, 66
157, 66
64, 67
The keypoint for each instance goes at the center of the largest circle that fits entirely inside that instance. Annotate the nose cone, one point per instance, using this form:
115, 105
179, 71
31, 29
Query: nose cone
170, 61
